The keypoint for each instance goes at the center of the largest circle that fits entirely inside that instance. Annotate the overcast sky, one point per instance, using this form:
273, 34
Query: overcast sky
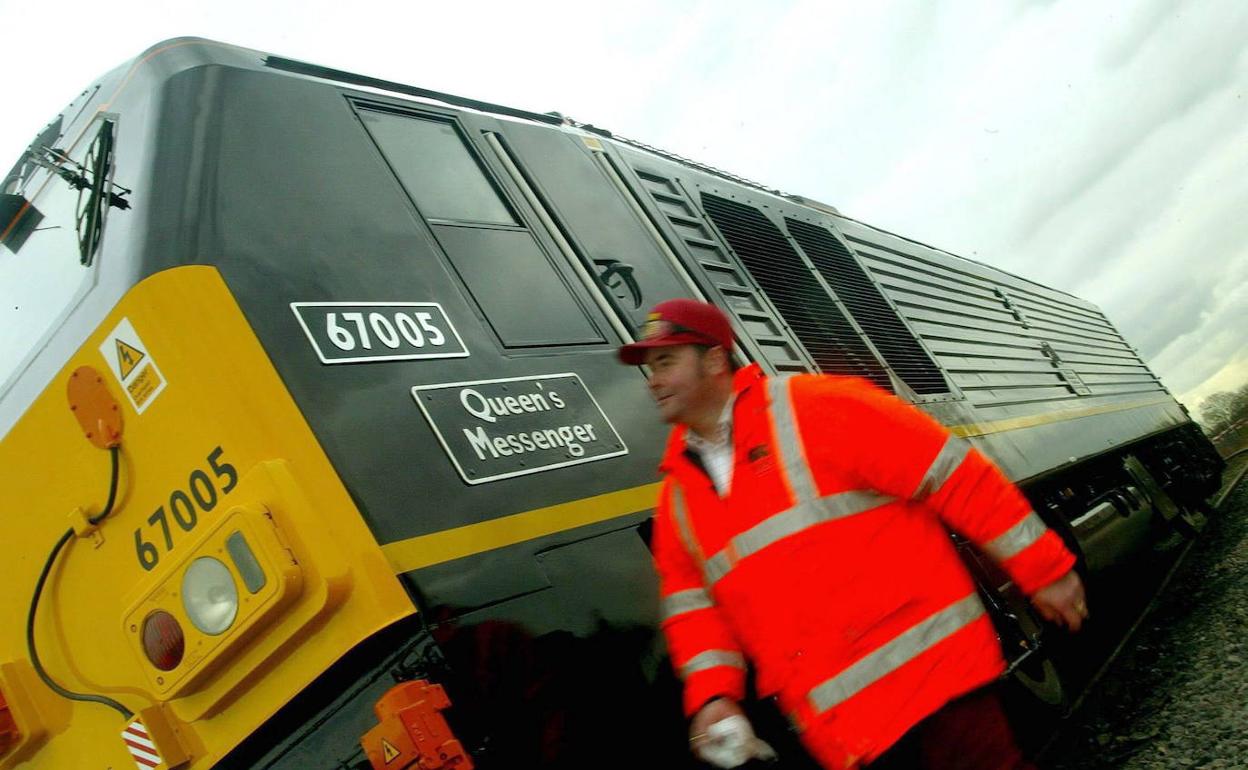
1098, 147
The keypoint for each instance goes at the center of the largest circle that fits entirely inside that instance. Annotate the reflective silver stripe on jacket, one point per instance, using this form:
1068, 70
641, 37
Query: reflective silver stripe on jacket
947, 461
711, 659
790, 522
681, 602
808, 509
1016, 538
681, 514
789, 442
896, 653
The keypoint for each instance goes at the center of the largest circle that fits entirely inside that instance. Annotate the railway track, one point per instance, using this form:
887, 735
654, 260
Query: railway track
1121, 717
1165, 583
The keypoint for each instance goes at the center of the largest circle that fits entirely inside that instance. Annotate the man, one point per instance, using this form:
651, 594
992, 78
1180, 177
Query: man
802, 526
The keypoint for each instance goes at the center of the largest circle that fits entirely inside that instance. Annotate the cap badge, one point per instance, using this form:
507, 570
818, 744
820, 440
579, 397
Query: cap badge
656, 327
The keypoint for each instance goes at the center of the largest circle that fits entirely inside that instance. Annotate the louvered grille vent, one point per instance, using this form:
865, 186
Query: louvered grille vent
808, 310
868, 307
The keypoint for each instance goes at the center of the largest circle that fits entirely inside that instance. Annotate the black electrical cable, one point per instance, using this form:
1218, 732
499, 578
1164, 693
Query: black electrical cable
112, 488
34, 607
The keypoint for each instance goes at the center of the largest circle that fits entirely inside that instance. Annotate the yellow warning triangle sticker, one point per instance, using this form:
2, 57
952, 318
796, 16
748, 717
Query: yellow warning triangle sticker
388, 752
128, 357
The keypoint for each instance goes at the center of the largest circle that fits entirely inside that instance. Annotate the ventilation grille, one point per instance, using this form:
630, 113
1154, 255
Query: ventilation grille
737, 293
1003, 342
806, 307
867, 305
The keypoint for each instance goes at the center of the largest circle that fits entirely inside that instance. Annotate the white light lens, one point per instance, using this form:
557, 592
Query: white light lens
209, 595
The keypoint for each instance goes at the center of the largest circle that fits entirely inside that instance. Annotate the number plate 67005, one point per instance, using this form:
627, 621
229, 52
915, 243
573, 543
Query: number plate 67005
354, 332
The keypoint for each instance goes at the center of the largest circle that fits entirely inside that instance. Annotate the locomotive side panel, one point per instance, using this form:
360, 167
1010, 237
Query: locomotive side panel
482, 533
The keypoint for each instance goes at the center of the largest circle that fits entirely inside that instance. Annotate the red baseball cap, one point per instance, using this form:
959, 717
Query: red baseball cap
680, 322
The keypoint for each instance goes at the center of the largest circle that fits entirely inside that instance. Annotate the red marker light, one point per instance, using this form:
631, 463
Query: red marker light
9, 734
163, 641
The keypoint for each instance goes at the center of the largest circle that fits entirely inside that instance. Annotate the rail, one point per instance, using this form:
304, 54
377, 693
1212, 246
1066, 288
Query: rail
1231, 487
1165, 583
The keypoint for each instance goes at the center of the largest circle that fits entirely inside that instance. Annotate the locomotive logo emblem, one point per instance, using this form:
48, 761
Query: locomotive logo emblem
618, 277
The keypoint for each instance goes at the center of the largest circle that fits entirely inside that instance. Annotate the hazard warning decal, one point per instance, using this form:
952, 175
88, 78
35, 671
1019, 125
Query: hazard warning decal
140, 745
128, 357
131, 363
389, 752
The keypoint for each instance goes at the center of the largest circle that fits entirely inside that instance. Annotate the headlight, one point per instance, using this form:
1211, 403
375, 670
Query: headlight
236, 577
209, 595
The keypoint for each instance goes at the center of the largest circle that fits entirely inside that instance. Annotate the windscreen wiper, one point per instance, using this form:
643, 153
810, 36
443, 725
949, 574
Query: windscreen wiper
97, 191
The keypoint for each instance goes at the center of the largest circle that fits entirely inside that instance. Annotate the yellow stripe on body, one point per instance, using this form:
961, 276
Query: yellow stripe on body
438, 547
1030, 421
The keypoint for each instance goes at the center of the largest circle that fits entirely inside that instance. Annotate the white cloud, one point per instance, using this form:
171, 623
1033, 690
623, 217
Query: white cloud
1094, 146
1230, 377
1111, 165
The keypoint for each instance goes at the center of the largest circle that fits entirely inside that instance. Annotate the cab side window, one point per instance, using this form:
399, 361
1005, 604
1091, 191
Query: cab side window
436, 169
522, 295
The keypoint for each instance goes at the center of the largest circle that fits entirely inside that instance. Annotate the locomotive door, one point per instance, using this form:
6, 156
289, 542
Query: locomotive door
644, 240
593, 218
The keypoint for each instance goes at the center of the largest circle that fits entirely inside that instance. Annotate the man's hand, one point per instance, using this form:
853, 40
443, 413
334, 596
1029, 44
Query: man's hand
714, 711
720, 735
1062, 602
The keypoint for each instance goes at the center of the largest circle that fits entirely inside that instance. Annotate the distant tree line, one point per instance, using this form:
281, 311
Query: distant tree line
1225, 410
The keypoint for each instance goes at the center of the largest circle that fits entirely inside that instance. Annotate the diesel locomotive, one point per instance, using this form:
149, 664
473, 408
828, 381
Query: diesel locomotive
315, 449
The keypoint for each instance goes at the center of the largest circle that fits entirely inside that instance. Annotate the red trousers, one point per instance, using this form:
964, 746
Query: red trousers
970, 733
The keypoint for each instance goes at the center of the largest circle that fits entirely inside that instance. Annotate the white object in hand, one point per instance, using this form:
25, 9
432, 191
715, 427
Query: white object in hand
731, 742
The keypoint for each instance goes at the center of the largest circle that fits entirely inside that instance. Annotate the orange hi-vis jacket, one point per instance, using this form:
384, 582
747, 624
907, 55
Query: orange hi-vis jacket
828, 565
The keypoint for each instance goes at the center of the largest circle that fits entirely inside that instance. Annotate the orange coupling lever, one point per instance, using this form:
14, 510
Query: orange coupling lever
413, 734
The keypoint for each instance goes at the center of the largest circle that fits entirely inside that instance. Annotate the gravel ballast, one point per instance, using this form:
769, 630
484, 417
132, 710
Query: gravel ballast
1177, 695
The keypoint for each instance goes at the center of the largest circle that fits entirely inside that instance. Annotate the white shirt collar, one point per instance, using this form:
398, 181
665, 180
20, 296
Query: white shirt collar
723, 430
